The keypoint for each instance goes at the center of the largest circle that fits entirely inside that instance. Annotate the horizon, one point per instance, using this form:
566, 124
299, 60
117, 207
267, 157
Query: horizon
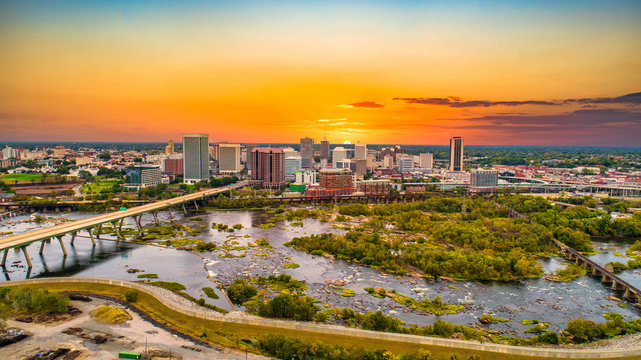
497, 74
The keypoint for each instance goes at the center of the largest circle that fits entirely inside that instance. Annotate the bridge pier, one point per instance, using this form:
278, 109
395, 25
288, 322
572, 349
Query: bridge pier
42, 247
196, 205
62, 245
117, 232
595, 272
618, 287
606, 280
99, 231
171, 215
26, 256
4, 258
138, 219
93, 241
184, 209
120, 225
155, 216
73, 238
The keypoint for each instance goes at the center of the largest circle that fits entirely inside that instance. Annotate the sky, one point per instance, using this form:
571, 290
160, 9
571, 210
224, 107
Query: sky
393, 72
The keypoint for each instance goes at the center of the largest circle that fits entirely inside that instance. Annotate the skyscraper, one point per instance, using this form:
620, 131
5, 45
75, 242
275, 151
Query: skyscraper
169, 149
195, 157
360, 151
307, 152
269, 166
324, 154
456, 153
229, 158
250, 155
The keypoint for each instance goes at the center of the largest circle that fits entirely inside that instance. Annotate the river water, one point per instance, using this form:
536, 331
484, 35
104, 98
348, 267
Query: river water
550, 302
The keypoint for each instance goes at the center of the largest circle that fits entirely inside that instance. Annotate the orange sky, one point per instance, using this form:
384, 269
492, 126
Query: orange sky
249, 72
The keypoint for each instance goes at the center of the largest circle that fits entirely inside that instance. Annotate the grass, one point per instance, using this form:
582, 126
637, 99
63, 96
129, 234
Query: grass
171, 286
291, 265
11, 179
99, 187
529, 322
224, 333
148, 276
110, 315
436, 306
210, 293
570, 272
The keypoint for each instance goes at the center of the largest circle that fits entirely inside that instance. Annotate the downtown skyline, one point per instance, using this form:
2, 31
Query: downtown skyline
409, 73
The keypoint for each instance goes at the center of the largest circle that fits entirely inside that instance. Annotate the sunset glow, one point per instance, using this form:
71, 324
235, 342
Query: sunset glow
526, 73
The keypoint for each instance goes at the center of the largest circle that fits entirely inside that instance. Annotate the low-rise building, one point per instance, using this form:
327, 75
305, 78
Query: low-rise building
374, 187
138, 177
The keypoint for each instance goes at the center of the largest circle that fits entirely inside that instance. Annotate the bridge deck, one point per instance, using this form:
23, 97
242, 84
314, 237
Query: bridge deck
62, 229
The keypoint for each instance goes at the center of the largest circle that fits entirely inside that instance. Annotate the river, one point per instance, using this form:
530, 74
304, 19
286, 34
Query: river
550, 302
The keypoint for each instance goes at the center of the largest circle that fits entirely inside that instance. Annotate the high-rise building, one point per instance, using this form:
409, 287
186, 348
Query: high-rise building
250, 155
374, 187
293, 164
456, 153
290, 152
388, 161
426, 161
337, 181
307, 177
10, 153
484, 180
360, 151
195, 157
360, 167
338, 154
269, 166
170, 149
141, 176
404, 163
307, 152
229, 158
324, 154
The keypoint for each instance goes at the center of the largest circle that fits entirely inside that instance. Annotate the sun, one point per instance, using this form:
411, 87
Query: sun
347, 143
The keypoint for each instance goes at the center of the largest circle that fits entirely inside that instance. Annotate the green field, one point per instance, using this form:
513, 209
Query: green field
99, 187
11, 179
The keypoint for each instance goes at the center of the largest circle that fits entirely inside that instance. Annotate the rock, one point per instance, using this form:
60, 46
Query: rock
613, 298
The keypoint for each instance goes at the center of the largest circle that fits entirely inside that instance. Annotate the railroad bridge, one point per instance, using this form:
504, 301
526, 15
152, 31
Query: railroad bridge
596, 270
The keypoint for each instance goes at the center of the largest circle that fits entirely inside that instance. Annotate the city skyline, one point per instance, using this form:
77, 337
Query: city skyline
380, 73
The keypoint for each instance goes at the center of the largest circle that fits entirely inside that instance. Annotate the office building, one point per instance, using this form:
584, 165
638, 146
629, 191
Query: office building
456, 153
172, 166
229, 159
195, 157
138, 177
360, 151
250, 155
484, 180
426, 161
170, 149
290, 152
10, 153
338, 154
269, 166
307, 177
388, 162
336, 179
404, 163
324, 149
307, 152
374, 187
359, 167
293, 164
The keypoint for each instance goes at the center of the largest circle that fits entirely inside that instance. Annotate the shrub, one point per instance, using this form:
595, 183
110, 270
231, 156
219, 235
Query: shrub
131, 296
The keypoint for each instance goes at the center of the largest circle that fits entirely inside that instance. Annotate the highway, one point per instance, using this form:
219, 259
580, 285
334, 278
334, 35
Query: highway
88, 223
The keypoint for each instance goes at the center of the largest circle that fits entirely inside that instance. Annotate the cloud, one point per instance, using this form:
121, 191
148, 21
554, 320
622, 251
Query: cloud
362, 104
457, 102
633, 99
451, 101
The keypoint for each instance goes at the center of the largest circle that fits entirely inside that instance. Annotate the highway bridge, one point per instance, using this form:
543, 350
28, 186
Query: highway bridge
115, 218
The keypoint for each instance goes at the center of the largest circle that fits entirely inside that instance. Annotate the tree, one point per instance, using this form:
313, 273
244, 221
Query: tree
240, 291
104, 156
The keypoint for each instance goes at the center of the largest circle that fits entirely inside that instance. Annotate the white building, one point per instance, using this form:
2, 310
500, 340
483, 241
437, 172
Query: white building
338, 154
293, 164
290, 152
426, 161
8, 153
404, 163
229, 158
388, 162
306, 177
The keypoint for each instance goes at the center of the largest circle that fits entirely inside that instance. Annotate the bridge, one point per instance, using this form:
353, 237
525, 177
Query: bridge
115, 218
607, 277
